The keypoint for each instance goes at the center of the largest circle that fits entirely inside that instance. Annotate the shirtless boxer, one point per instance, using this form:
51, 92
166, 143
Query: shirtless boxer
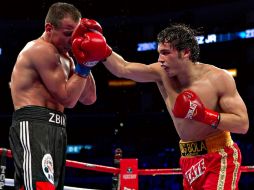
203, 102
44, 81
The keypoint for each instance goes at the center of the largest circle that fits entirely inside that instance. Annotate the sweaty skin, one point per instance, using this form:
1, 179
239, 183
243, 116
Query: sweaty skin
175, 72
43, 73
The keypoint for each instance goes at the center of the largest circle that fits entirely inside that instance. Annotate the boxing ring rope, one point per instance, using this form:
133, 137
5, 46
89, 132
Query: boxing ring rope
94, 167
116, 171
10, 182
113, 170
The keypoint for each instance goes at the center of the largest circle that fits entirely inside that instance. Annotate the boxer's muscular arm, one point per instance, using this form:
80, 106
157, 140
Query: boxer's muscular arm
234, 117
91, 46
135, 71
88, 95
48, 65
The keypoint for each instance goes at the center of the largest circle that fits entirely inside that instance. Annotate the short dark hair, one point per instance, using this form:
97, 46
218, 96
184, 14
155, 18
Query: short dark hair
59, 10
181, 37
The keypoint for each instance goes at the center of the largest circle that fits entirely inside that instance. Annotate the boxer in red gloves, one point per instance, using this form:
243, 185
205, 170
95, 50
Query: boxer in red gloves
188, 105
43, 84
88, 45
203, 102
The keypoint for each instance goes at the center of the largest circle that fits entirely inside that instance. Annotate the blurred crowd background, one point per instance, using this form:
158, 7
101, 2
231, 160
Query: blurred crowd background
133, 117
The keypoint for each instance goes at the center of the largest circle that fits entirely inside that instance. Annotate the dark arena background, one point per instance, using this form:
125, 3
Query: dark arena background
127, 115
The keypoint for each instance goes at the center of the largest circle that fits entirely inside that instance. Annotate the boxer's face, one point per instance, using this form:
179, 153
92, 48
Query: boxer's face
61, 36
169, 58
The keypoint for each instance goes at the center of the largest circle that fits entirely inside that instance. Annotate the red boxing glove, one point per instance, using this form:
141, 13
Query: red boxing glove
86, 25
90, 48
188, 105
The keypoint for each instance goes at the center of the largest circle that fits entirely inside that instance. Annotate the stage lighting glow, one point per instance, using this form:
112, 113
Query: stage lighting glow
204, 39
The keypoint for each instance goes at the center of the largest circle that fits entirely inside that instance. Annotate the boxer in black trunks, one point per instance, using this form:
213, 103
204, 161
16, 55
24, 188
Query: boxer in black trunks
44, 81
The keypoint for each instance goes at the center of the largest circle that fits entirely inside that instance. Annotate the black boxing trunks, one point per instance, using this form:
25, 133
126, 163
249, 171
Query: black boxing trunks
38, 142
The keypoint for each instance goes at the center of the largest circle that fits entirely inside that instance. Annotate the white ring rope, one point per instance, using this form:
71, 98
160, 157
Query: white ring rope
10, 182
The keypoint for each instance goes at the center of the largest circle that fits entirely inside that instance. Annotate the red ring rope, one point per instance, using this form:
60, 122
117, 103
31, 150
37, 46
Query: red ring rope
107, 169
94, 167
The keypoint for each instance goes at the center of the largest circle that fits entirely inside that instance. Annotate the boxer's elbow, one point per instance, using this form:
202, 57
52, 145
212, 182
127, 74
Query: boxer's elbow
245, 128
244, 125
88, 100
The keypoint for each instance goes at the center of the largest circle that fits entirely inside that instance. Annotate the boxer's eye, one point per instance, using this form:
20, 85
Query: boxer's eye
68, 34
